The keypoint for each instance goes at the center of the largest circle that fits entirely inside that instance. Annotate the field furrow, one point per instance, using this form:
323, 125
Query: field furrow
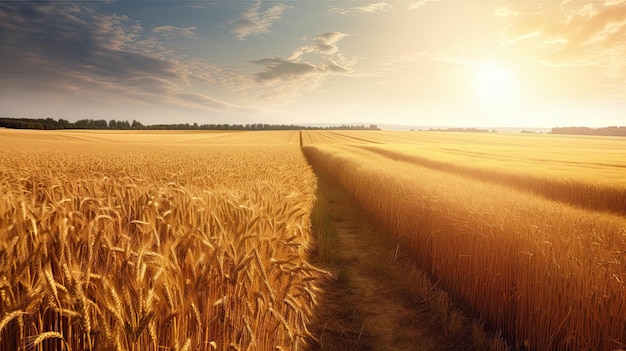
548, 275
567, 188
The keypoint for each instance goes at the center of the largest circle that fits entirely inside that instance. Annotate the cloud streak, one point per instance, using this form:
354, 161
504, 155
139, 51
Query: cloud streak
371, 8
48, 40
256, 21
577, 34
277, 69
172, 31
49, 48
281, 80
203, 100
325, 44
412, 5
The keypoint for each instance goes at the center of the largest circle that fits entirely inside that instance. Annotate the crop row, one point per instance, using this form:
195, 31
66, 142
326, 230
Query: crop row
550, 276
577, 190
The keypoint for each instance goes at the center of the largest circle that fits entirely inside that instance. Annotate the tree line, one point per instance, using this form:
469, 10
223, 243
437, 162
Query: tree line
606, 131
52, 124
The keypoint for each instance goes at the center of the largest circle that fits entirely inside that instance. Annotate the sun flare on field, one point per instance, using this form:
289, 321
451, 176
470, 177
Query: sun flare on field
495, 85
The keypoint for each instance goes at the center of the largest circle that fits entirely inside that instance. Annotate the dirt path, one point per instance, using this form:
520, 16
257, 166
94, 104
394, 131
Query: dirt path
370, 306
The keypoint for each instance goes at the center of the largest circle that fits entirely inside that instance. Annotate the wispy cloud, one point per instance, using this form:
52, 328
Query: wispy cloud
371, 8
66, 37
574, 34
284, 79
395, 65
294, 67
197, 5
614, 2
277, 69
412, 5
256, 21
325, 43
203, 100
69, 47
172, 31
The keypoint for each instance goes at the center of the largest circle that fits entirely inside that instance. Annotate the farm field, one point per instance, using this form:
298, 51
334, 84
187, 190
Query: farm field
23, 137
588, 172
484, 214
139, 241
204, 240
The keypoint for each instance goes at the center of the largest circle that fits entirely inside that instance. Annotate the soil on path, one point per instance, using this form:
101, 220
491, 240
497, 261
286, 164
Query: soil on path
371, 305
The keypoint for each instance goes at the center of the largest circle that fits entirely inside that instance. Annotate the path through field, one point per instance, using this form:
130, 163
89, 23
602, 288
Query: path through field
370, 306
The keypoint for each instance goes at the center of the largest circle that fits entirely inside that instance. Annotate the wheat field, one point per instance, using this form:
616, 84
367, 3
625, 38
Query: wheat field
116, 240
131, 241
548, 274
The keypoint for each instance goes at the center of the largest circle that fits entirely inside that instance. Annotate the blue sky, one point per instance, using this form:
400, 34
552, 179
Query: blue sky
425, 62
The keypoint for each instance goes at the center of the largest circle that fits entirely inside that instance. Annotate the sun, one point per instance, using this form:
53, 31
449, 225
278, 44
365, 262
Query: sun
495, 85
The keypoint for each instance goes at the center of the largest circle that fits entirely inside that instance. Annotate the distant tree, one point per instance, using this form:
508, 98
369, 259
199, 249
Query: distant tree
123, 125
136, 125
82, 124
100, 124
64, 124
607, 131
49, 123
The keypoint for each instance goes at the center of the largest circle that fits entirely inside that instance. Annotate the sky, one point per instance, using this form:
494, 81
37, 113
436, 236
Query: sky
478, 63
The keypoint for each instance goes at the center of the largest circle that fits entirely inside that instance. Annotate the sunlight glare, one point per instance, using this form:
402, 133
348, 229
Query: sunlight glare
495, 85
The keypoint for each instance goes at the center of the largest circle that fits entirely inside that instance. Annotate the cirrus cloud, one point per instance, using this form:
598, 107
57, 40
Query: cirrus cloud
70, 48
256, 21
59, 42
575, 34
171, 31
416, 4
371, 8
203, 100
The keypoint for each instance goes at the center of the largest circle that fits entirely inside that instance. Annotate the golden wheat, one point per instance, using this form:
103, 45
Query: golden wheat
550, 276
588, 172
155, 241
